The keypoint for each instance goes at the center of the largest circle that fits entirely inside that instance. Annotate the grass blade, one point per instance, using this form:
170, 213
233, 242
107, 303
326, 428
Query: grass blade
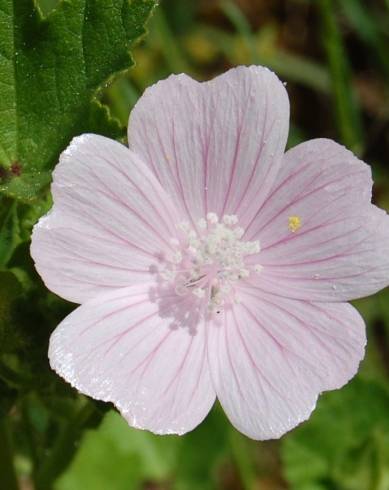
348, 116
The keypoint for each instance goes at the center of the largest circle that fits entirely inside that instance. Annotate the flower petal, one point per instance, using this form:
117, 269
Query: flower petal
340, 247
110, 222
137, 351
271, 357
214, 146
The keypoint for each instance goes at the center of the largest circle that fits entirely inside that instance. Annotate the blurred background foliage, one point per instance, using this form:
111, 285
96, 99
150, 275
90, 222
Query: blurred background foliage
334, 57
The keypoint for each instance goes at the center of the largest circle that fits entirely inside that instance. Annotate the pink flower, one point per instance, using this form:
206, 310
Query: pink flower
208, 262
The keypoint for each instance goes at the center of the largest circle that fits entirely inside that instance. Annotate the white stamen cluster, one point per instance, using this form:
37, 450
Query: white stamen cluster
208, 261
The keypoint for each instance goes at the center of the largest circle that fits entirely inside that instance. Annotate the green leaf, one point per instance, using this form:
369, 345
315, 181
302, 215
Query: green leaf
9, 230
197, 469
345, 444
119, 458
51, 72
7, 398
10, 290
64, 447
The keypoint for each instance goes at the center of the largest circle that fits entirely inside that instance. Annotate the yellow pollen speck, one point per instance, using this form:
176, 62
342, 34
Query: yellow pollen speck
294, 223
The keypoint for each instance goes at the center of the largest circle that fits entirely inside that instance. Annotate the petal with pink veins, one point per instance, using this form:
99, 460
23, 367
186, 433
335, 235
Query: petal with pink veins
214, 146
110, 222
139, 349
271, 357
340, 247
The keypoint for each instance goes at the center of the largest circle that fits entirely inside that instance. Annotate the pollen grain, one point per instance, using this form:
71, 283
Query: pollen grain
294, 223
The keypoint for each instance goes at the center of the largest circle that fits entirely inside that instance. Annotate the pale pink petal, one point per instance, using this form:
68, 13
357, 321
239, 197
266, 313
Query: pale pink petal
140, 351
341, 250
110, 223
214, 146
271, 357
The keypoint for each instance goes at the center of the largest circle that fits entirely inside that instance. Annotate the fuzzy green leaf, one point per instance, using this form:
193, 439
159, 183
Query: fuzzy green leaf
345, 444
51, 72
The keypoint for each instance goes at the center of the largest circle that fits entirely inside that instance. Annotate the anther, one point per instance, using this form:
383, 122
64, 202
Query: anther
230, 219
209, 260
212, 218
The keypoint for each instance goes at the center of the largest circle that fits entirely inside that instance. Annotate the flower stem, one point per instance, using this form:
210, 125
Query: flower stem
66, 445
8, 479
243, 459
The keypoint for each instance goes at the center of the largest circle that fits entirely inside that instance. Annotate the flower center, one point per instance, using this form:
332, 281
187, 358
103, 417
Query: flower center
209, 261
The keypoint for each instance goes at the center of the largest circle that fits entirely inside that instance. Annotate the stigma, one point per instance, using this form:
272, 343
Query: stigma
208, 261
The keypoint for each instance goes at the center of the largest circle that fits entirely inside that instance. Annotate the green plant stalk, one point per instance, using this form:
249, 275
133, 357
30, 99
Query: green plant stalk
348, 117
65, 446
173, 55
297, 69
239, 21
365, 25
8, 479
289, 66
30, 438
243, 460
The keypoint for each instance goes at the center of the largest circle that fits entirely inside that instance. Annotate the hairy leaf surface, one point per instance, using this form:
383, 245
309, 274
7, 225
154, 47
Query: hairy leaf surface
51, 72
